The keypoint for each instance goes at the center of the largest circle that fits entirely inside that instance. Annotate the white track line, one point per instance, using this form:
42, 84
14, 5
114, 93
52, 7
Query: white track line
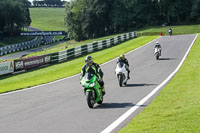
26, 89
134, 108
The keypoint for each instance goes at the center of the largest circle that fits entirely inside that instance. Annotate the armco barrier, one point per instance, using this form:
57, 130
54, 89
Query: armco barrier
93, 47
69, 54
19, 47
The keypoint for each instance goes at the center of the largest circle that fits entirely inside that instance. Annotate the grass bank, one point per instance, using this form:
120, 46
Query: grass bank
48, 19
66, 69
177, 108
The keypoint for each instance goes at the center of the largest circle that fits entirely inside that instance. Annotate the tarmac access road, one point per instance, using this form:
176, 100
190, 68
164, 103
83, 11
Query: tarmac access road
60, 107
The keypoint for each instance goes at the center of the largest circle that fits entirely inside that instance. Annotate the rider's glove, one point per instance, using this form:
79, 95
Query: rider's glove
100, 79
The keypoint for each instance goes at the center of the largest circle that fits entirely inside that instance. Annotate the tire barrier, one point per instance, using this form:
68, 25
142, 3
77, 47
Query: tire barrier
69, 54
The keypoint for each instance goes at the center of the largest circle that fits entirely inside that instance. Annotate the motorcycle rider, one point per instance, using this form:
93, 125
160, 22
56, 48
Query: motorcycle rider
124, 60
170, 30
158, 46
94, 68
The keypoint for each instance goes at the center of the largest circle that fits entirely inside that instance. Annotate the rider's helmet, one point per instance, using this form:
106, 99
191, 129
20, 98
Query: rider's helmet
122, 57
157, 43
88, 60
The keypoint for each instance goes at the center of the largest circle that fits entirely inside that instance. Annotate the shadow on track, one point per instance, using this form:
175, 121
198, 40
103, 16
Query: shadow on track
138, 85
167, 59
116, 105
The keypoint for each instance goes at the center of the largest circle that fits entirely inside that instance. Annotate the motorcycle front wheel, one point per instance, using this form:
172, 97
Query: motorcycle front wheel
157, 56
90, 99
120, 78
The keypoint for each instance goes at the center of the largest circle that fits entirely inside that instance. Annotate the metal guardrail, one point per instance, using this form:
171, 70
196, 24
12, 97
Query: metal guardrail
19, 46
23, 46
69, 54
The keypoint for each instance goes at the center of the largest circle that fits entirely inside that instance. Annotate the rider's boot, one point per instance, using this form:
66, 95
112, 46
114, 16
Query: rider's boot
128, 74
103, 91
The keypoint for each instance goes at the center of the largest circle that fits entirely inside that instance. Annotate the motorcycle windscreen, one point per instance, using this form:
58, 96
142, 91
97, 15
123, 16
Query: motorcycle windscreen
88, 76
120, 64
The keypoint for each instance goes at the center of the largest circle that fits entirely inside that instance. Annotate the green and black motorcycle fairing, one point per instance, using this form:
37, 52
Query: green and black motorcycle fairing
92, 89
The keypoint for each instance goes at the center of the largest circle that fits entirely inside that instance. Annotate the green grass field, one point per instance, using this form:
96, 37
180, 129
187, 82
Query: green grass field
66, 69
48, 19
177, 108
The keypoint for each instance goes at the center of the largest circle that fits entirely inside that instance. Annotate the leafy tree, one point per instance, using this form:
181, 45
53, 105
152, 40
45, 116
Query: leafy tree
195, 11
14, 14
88, 18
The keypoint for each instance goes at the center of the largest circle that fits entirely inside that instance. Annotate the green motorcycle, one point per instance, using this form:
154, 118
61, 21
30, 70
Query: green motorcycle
92, 89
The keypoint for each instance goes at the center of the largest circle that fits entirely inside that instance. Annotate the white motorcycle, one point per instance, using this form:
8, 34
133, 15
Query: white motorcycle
157, 53
170, 32
121, 73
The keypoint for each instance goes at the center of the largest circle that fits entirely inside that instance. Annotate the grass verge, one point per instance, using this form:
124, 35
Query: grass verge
66, 69
176, 109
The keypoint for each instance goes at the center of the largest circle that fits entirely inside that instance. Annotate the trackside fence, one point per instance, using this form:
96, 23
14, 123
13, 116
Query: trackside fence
10, 67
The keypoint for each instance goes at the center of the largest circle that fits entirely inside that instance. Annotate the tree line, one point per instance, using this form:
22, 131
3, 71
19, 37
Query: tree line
48, 3
95, 18
14, 15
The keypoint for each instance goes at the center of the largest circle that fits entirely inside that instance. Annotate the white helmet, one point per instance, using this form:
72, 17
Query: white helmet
157, 42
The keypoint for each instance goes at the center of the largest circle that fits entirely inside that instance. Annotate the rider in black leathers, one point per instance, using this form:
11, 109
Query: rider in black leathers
94, 68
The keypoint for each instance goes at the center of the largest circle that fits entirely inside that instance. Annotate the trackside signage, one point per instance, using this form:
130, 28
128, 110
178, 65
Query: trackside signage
6, 67
43, 33
28, 63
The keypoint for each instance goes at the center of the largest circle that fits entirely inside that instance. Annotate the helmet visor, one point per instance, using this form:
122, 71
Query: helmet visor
88, 61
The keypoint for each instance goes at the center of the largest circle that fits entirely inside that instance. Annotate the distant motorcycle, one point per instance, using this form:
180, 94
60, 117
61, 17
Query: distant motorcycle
121, 73
92, 89
157, 53
170, 32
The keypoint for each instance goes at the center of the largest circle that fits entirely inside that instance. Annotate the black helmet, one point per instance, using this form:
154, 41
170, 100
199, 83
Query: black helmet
88, 60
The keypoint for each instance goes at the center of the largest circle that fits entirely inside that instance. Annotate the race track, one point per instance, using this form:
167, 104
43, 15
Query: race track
61, 107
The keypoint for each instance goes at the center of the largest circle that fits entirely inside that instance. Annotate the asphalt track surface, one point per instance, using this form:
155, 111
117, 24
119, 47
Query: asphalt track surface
61, 107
